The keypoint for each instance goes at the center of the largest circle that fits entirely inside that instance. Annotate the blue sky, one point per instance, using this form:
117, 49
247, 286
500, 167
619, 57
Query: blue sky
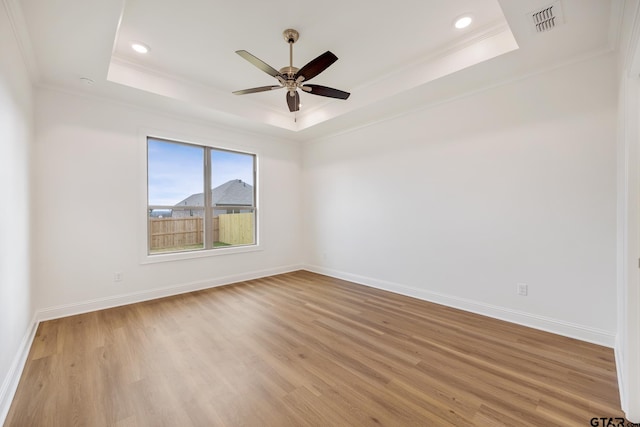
175, 171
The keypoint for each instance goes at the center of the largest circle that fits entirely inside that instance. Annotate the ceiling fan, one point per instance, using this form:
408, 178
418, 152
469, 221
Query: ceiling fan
292, 78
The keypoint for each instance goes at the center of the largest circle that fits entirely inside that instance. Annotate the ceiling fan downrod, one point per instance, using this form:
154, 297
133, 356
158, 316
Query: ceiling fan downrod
291, 36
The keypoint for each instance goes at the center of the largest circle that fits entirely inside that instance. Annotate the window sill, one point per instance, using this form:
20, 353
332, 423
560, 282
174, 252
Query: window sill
178, 256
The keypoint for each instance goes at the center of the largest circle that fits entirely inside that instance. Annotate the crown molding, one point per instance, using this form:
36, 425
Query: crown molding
629, 36
21, 34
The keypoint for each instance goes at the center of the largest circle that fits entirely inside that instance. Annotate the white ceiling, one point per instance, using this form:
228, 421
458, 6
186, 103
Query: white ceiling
393, 56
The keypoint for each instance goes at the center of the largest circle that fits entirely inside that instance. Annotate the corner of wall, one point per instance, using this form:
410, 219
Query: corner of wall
10, 383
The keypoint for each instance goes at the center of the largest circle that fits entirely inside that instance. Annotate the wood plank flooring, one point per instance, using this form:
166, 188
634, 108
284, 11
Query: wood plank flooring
301, 349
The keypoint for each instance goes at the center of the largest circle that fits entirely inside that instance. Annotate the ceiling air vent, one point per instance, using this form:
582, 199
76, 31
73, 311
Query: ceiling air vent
547, 18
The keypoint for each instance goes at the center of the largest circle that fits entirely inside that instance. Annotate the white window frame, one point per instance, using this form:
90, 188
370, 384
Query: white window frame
144, 256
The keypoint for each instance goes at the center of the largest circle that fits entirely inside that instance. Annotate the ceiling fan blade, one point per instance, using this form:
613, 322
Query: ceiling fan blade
256, 89
316, 66
326, 91
293, 101
259, 63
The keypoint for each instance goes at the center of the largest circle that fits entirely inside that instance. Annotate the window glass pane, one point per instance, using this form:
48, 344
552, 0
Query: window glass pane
174, 172
175, 191
232, 178
233, 198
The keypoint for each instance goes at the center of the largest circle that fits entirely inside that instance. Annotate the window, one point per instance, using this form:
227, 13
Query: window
182, 216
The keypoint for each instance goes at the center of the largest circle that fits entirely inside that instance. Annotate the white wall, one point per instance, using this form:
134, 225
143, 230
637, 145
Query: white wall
89, 199
460, 202
628, 339
16, 125
628, 332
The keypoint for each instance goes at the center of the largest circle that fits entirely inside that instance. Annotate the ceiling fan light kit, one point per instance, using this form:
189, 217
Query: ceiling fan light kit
293, 78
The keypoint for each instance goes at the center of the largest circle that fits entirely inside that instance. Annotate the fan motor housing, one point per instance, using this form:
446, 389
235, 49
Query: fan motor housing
290, 71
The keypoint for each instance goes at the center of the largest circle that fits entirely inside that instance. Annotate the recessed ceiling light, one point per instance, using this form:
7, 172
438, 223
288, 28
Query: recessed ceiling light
463, 22
140, 47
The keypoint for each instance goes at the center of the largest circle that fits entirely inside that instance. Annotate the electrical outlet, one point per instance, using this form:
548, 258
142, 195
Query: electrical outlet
522, 289
117, 276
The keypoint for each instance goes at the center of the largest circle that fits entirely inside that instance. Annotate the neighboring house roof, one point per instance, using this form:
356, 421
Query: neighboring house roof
231, 193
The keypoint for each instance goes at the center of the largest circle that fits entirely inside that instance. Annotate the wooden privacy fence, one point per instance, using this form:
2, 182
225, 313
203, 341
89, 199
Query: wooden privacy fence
176, 233
235, 229
169, 233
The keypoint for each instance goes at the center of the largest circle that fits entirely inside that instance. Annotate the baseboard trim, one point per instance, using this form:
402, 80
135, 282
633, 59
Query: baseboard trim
10, 383
559, 327
147, 295
620, 372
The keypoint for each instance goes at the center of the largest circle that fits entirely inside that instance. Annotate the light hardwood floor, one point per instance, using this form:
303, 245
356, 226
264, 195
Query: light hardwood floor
301, 349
